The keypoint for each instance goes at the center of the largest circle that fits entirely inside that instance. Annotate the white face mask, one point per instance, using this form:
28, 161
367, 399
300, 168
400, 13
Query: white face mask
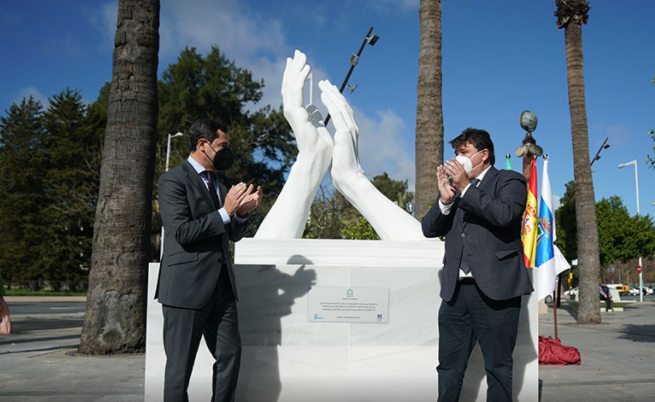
466, 162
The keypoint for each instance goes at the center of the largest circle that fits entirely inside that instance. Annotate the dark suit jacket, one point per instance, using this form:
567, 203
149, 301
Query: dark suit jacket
196, 242
484, 226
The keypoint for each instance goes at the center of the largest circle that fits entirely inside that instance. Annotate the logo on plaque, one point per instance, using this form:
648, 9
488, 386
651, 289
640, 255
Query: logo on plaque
350, 293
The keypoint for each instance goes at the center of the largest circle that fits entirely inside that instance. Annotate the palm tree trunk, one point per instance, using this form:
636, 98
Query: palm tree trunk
572, 14
429, 110
116, 302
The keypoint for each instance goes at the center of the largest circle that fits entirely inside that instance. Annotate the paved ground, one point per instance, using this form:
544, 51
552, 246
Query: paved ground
618, 356
37, 363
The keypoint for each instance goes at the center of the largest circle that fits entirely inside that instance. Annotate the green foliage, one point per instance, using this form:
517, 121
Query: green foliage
621, 237
21, 188
566, 225
73, 144
213, 86
42, 292
332, 216
395, 190
50, 162
360, 230
328, 214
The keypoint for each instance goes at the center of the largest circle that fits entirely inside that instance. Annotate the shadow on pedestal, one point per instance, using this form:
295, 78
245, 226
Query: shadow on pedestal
267, 295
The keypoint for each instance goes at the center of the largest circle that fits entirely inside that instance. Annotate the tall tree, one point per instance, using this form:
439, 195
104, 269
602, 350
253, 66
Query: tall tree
72, 160
116, 302
429, 110
621, 237
21, 189
571, 15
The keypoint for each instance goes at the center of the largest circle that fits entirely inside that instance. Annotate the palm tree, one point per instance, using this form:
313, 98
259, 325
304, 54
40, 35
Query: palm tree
116, 302
571, 15
429, 111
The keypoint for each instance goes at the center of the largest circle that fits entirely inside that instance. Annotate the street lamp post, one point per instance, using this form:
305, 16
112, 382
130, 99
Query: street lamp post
168, 154
168, 147
641, 277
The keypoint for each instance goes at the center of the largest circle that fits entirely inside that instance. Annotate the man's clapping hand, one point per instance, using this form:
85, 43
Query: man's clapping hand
250, 201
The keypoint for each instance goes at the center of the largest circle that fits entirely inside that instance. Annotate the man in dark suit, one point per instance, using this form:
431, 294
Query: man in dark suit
201, 212
479, 210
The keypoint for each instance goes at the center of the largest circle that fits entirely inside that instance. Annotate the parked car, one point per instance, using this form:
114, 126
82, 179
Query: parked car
635, 291
622, 289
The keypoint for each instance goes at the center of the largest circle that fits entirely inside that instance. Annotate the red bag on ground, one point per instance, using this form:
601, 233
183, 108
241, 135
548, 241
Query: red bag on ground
552, 352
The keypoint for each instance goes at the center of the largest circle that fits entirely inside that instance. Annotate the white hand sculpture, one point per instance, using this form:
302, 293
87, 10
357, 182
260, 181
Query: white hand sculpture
388, 219
287, 217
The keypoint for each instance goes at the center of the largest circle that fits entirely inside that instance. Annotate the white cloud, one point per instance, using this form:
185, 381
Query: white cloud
557, 201
104, 20
252, 41
618, 135
239, 32
383, 146
34, 93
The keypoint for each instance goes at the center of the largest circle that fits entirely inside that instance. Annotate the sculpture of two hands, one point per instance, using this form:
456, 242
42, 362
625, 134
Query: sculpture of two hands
318, 152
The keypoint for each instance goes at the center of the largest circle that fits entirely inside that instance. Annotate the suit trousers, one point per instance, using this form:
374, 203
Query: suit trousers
217, 322
471, 317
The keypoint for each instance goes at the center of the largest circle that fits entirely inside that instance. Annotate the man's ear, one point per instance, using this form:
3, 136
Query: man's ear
199, 143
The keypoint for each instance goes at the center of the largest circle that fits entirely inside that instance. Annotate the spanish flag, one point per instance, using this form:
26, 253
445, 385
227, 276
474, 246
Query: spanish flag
530, 221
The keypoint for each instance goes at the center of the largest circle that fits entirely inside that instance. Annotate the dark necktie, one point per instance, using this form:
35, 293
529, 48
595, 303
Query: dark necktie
212, 187
464, 264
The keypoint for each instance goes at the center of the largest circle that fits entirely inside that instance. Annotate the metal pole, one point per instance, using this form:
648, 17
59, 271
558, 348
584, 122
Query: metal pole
598, 153
641, 276
555, 316
350, 71
641, 269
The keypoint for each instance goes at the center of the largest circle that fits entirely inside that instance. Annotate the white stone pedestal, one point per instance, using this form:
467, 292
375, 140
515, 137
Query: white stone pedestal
288, 358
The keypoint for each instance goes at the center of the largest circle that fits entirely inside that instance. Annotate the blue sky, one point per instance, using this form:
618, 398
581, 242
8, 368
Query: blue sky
499, 58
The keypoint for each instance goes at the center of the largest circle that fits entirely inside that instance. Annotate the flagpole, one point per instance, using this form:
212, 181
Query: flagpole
545, 157
555, 312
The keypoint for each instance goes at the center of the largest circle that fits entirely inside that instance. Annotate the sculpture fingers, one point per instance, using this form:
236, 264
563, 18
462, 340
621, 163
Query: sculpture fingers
293, 81
337, 106
344, 120
330, 102
345, 159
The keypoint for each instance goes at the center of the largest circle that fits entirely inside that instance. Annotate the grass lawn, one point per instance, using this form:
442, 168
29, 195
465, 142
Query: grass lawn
28, 292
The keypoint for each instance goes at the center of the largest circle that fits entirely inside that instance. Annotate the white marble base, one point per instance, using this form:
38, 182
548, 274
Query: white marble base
288, 358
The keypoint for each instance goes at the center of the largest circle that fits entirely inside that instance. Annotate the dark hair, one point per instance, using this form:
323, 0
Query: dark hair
480, 139
204, 128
